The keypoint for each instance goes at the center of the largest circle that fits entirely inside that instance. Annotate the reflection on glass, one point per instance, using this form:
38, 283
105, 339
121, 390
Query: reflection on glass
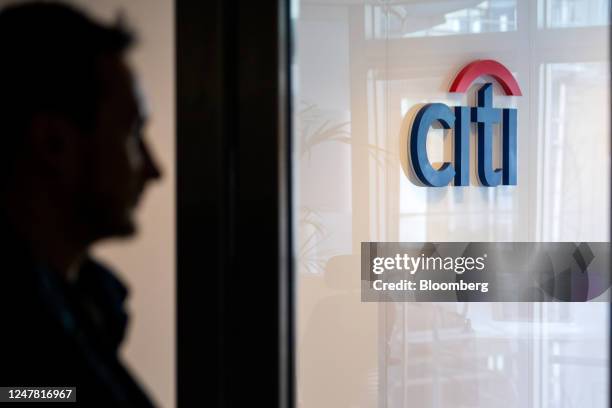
324, 214
351, 128
573, 13
438, 18
575, 108
496, 355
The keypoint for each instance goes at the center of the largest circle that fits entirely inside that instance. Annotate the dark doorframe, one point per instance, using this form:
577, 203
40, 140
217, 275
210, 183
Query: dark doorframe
234, 239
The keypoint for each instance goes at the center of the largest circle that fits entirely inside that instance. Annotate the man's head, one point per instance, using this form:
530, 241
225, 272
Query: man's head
70, 117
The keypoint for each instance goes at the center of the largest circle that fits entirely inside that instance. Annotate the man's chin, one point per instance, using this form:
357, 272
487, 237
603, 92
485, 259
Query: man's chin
127, 230
124, 229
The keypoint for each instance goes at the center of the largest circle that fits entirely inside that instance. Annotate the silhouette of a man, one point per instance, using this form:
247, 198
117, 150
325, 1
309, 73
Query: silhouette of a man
73, 165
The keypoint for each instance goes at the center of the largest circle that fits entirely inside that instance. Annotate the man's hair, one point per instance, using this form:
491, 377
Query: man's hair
49, 55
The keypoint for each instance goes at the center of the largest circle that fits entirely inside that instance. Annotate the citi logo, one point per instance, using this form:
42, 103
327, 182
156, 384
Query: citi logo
459, 119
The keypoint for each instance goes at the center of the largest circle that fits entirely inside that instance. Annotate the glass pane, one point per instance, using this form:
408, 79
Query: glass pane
575, 110
574, 13
363, 69
437, 18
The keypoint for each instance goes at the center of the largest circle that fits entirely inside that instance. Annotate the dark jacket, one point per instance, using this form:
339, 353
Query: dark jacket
58, 334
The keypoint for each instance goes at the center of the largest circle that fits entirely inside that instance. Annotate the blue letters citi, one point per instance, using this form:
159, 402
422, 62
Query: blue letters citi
459, 119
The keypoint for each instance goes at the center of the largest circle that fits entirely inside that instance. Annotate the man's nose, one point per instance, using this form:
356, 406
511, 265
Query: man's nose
151, 169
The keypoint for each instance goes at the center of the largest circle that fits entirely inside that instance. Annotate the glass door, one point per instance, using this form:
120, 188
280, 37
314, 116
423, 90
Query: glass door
362, 69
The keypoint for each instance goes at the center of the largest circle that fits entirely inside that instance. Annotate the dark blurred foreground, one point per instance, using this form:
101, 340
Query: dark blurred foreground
74, 165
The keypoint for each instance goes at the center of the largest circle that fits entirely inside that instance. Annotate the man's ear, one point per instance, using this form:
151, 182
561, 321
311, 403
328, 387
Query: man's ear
53, 141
